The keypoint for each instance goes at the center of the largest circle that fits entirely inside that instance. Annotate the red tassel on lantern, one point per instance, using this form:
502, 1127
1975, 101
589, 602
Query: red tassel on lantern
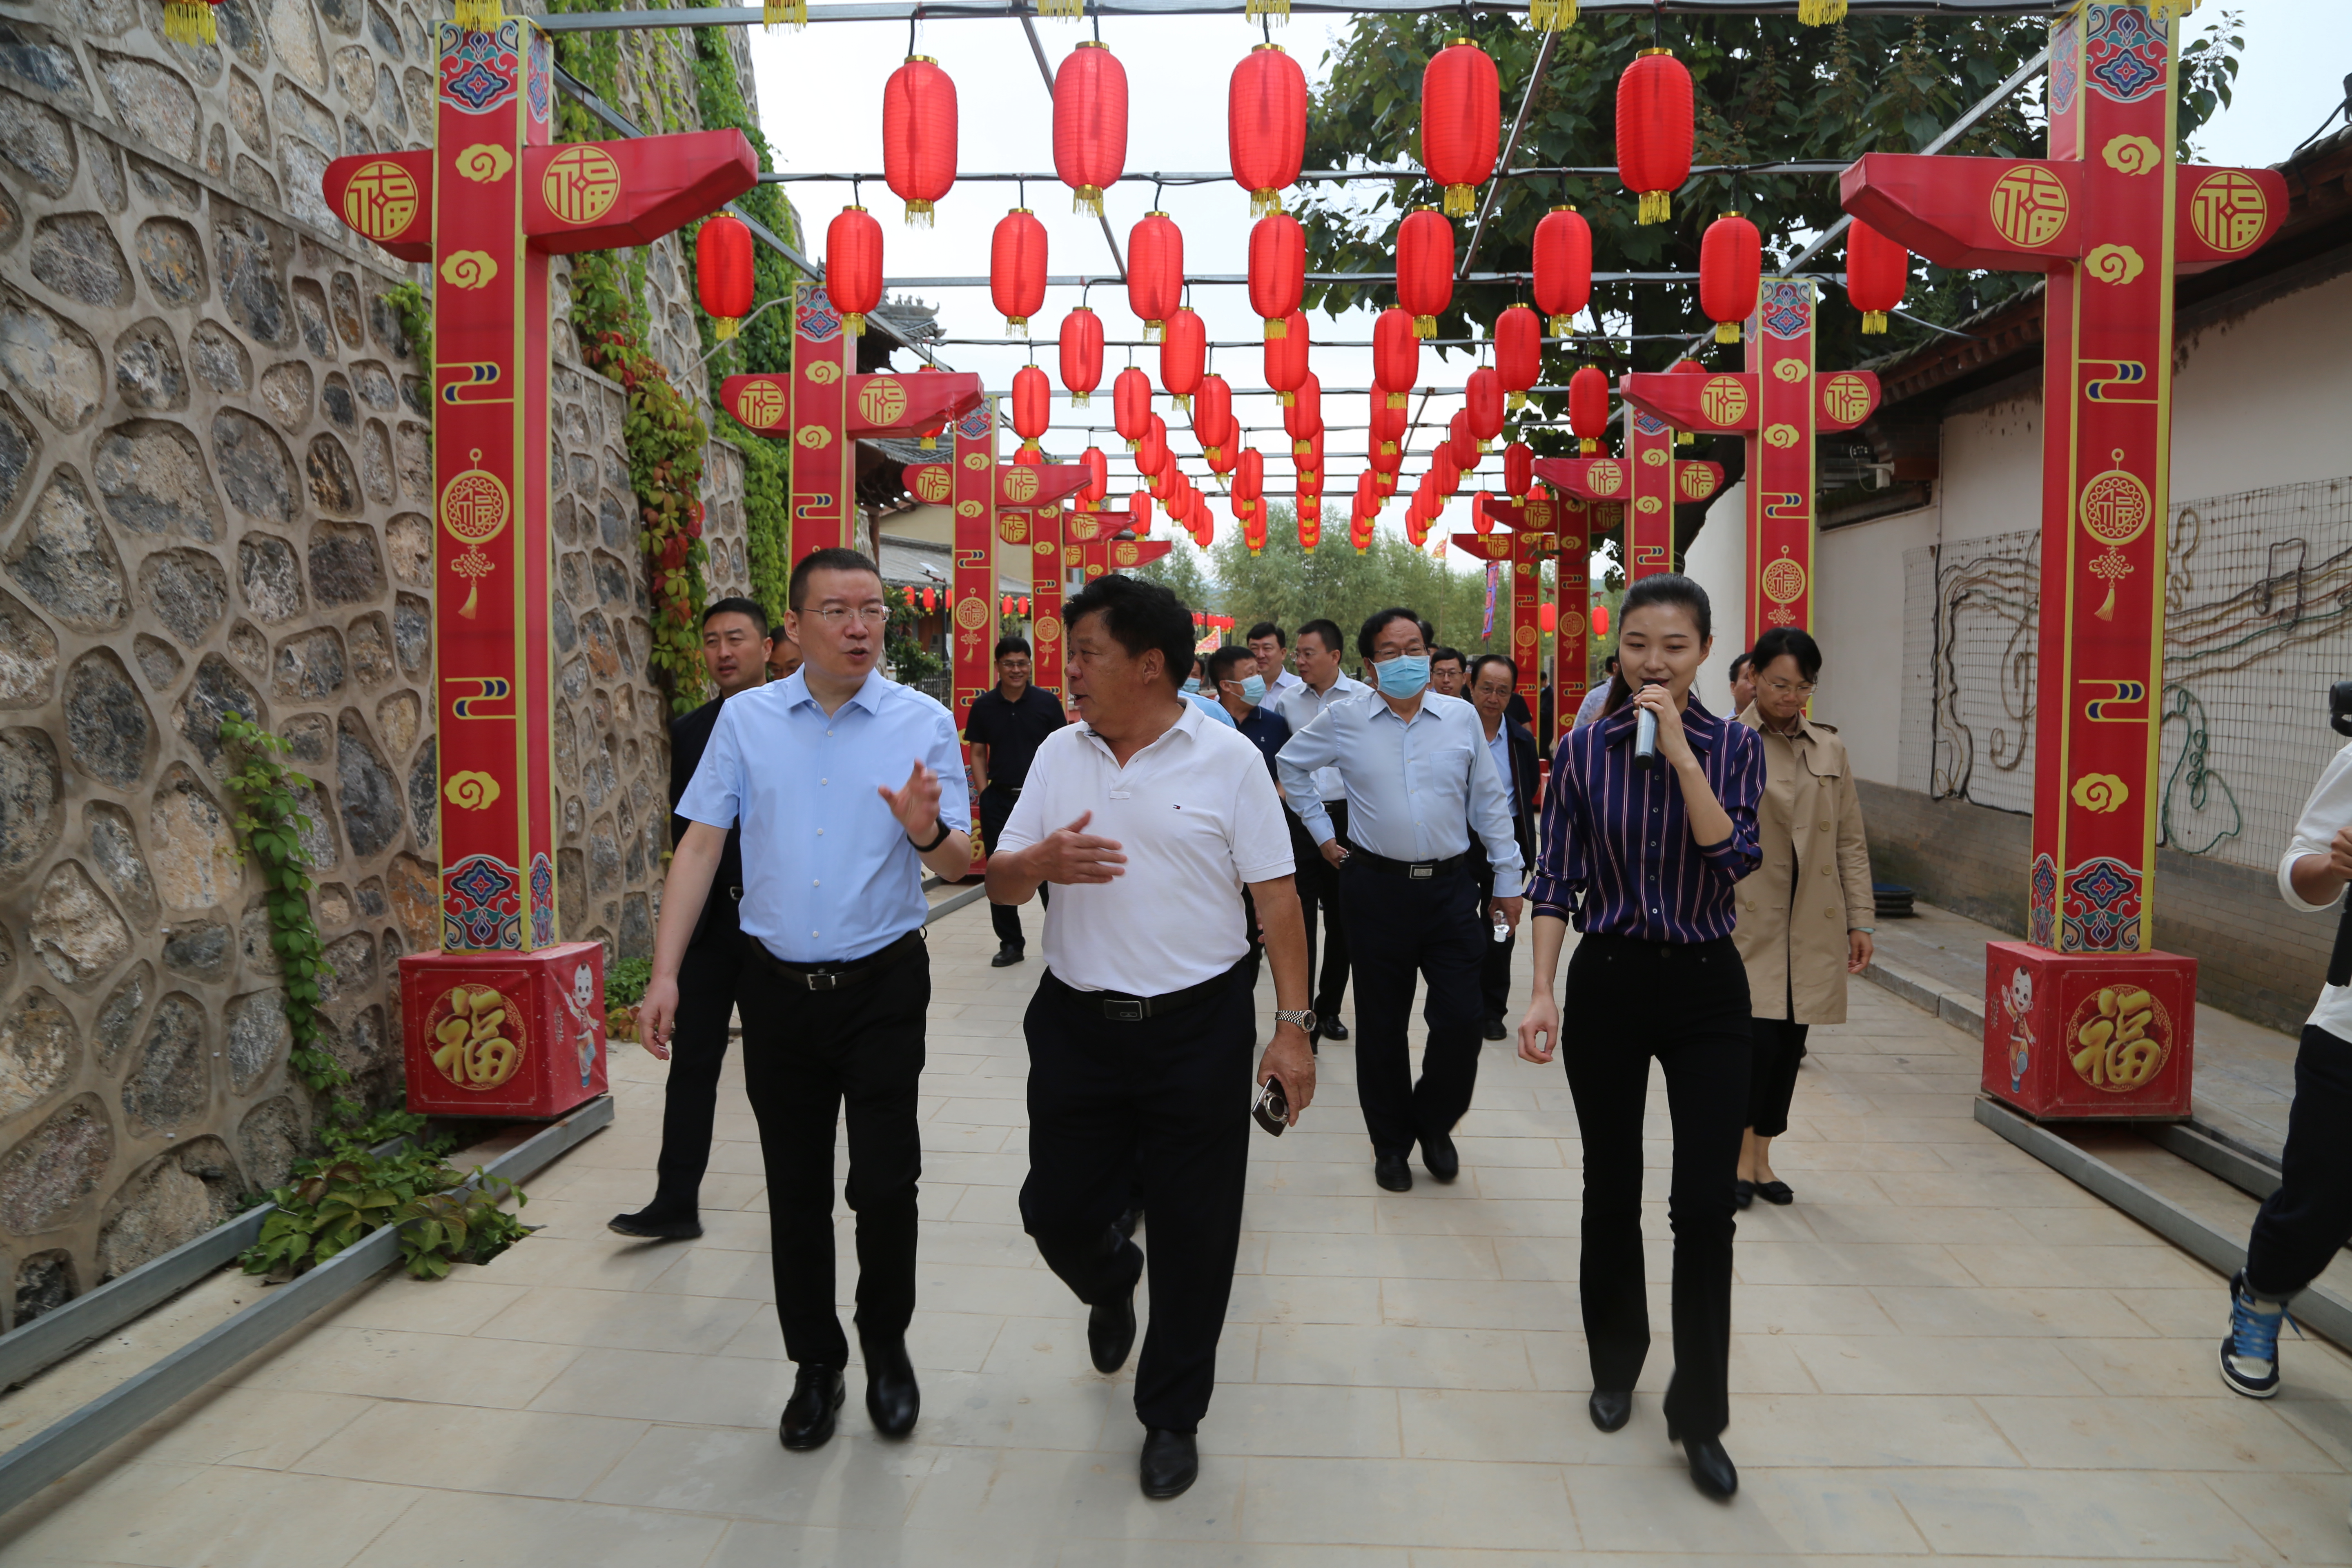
1082, 350
190, 22
722, 271
1482, 400
1277, 269
1654, 132
1017, 268
918, 135
1588, 407
1425, 268
1033, 400
1461, 122
1396, 355
852, 267
1099, 466
1155, 270
1518, 469
1266, 128
1303, 418
1089, 123
1285, 357
1563, 267
1731, 266
1183, 354
1212, 415
1130, 404
1877, 269
1518, 353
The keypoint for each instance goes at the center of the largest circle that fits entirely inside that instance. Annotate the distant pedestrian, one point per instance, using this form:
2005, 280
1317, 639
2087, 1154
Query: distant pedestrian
1492, 677
1320, 685
1270, 646
1743, 683
1448, 670
1008, 723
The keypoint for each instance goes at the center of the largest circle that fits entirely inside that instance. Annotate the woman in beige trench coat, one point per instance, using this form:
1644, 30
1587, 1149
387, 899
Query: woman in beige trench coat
1805, 914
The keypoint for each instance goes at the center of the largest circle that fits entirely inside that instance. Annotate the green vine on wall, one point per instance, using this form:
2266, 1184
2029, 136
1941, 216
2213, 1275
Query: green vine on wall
270, 823
415, 312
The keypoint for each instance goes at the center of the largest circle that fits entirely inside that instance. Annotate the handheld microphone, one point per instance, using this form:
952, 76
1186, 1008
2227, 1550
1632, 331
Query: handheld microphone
1646, 740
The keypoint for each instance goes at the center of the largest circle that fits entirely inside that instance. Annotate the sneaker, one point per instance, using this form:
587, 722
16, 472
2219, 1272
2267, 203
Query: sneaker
2250, 1354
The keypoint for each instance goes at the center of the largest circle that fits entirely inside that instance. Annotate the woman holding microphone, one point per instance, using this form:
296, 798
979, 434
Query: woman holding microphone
1649, 822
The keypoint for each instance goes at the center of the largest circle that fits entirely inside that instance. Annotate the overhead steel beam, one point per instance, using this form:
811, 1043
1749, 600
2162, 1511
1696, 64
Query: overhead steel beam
992, 10
1313, 177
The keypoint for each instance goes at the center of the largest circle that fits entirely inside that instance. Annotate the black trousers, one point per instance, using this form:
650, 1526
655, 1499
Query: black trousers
995, 810
807, 1056
707, 981
2302, 1224
1165, 1100
1399, 929
1318, 888
1772, 1081
1686, 1005
1494, 962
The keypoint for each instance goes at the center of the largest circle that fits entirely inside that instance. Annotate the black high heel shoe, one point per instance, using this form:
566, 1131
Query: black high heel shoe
1711, 1470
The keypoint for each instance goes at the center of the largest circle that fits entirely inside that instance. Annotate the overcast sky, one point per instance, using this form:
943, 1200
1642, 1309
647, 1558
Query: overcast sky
820, 102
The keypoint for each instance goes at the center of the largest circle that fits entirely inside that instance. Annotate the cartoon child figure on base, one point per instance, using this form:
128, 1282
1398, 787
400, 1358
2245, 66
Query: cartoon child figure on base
2017, 1002
585, 1024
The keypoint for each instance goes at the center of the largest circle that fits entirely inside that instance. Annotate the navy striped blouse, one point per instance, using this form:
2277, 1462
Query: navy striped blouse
1617, 854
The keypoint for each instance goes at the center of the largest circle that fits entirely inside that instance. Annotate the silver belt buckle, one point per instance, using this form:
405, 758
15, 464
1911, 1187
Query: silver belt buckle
1422, 872
822, 982
1126, 1010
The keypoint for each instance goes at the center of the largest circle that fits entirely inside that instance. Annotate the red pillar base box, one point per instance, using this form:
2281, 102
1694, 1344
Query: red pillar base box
505, 1034
2080, 1036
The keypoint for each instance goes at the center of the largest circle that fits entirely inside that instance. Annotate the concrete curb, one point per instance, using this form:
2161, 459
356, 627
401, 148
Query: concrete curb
1959, 1008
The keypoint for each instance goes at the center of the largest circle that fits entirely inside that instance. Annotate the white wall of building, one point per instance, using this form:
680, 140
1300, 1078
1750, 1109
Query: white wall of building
1858, 621
1717, 560
2263, 400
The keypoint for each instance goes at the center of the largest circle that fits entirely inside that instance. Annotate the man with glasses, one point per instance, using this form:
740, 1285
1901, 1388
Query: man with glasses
1320, 684
834, 777
1494, 678
1008, 722
1268, 644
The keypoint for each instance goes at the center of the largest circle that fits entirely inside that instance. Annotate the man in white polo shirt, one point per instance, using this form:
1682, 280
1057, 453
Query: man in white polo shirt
1150, 819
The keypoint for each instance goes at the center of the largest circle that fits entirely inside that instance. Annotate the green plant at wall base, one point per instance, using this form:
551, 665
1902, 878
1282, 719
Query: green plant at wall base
910, 662
269, 827
415, 312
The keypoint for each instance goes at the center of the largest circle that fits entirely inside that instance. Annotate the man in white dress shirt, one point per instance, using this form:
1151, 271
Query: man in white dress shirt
1270, 647
1320, 683
1149, 820
1419, 779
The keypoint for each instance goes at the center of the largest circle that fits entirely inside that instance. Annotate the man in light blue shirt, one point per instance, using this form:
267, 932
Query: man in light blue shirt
1319, 685
834, 777
1419, 780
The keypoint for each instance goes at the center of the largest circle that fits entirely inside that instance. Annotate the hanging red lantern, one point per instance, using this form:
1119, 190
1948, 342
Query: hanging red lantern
1089, 123
1388, 423
1444, 472
1265, 127
1130, 404
1224, 458
1368, 495
931, 600
852, 267
1082, 352
1286, 356
1563, 267
1004, 606
1025, 607
1307, 457
1518, 469
722, 271
1461, 122
1547, 616
1588, 407
1303, 418
918, 135
1480, 518
1396, 355
1387, 465
1155, 270
1461, 442
1731, 269
1482, 400
1277, 269
1249, 479
1138, 514
1654, 132
1033, 400
1184, 354
1099, 466
1151, 449
1877, 269
1212, 415
1518, 353
1310, 523
1601, 620
1425, 268
1017, 269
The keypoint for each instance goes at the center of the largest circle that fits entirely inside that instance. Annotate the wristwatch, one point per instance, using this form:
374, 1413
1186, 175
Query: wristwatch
1302, 1017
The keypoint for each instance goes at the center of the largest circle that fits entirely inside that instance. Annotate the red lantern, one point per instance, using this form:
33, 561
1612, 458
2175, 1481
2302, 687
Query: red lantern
918, 135
722, 270
1138, 514
1518, 469
1151, 449
1388, 423
1877, 269
1480, 519
1004, 606
852, 267
1249, 479
1224, 458
1025, 607
1307, 454
1461, 122
1303, 419
1130, 404
1099, 466
1033, 400
1445, 473
1396, 355
1601, 620
1310, 521
1017, 268
1563, 267
1266, 128
1588, 407
1425, 268
931, 600
1277, 269
1387, 465
1155, 270
1460, 444
1518, 353
1089, 123
1547, 616
1482, 400
1654, 132
1286, 356
1212, 415
1082, 350
1184, 353
1730, 268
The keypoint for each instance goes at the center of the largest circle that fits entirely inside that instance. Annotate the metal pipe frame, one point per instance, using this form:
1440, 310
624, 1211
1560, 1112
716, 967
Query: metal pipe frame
996, 10
1324, 176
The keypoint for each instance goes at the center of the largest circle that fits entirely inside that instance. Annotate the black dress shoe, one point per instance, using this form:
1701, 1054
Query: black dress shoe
1610, 1408
1391, 1172
817, 1393
1129, 1220
1494, 1030
892, 1398
1775, 1193
1110, 1332
1437, 1152
1711, 1468
1007, 955
650, 1224
1742, 1194
1331, 1029
1171, 1464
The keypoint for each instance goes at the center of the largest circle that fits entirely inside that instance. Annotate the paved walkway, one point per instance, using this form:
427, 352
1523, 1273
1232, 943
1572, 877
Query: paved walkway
1943, 1349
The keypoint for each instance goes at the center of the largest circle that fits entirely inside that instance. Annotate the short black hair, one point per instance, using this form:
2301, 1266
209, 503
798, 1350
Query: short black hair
1267, 629
1609, 664
1222, 662
1791, 642
738, 607
1739, 661
827, 560
1140, 616
1440, 655
1334, 641
1010, 645
1378, 619
1506, 660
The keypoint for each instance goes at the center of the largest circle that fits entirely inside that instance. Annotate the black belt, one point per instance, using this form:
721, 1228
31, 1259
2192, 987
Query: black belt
840, 976
1419, 870
1121, 1009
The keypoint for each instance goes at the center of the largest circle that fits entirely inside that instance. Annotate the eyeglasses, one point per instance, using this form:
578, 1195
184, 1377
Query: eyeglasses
1785, 688
873, 614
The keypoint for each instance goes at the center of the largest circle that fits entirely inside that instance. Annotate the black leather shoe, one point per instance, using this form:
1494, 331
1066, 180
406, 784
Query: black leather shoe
1711, 1468
1610, 1408
1391, 1172
1129, 1220
1110, 1332
817, 1393
1494, 1030
1777, 1193
1171, 1464
1742, 1194
1437, 1152
649, 1224
1007, 955
1331, 1029
892, 1398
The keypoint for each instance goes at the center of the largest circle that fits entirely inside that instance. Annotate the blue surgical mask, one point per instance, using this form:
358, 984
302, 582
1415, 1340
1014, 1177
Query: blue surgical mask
1253, 689
1191, 683
1403, 677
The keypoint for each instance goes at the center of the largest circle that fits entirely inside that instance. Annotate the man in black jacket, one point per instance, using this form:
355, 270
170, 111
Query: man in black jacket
1492, 677
735, 649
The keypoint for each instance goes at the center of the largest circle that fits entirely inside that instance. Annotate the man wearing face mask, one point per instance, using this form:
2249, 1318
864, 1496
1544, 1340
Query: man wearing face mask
1240, 691
1419, 781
